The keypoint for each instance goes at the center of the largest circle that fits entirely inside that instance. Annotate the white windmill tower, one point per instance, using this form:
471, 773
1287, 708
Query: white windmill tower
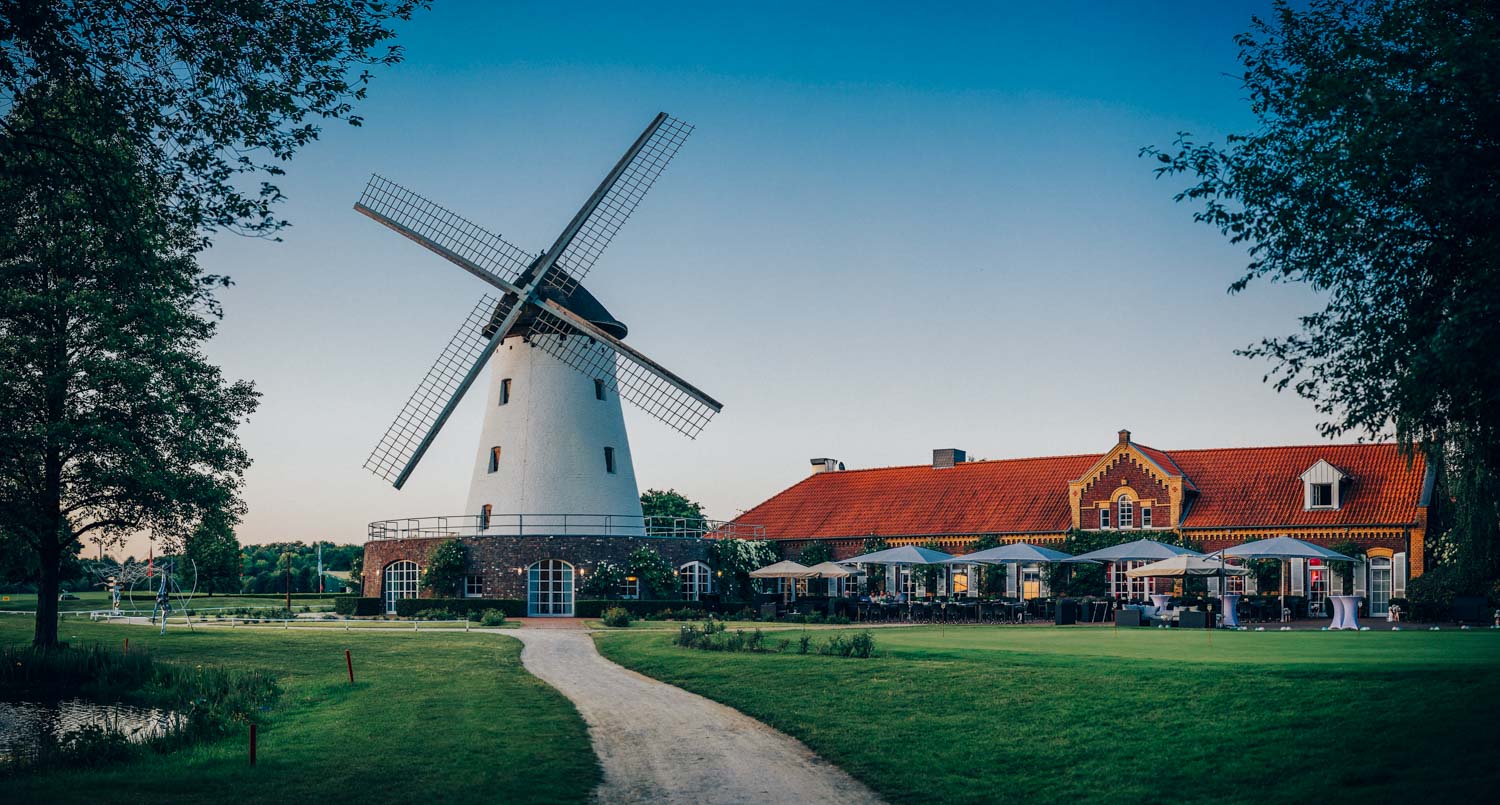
553, 453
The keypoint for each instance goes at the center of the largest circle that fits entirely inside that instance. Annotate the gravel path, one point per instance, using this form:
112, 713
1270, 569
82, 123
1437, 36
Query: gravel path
660, 744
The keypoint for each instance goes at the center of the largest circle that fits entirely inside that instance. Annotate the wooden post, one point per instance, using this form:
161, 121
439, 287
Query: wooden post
349, 661
127, 645
252, 744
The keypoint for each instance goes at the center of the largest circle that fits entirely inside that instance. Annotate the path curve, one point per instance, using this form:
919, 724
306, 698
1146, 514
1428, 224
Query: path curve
660, 744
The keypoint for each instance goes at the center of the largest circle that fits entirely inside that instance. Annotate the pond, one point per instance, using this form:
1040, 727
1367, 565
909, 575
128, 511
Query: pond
24, 724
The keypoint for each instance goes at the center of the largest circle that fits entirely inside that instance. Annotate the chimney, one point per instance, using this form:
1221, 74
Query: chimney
1124, 437
945, 458
826, 465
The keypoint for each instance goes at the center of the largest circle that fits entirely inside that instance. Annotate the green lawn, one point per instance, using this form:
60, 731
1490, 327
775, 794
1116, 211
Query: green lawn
144, 599
986, 714
436, 717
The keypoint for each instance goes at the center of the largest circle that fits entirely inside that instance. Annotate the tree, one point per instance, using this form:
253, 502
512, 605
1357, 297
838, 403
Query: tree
654, 573
815, 553
735, 558
217, 91
215, 551
115, 423
1373, 177
446, 566
667, 506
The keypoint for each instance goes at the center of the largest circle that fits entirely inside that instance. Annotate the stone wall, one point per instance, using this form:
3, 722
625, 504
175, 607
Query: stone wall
502, 561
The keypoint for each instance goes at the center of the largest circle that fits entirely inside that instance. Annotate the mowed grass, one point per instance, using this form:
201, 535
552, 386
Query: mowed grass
1008, 714
143, 600
434, 718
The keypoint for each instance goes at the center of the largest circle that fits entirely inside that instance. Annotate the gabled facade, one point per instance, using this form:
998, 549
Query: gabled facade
1368, 494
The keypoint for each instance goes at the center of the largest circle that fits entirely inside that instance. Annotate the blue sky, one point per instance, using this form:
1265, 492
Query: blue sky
893, 230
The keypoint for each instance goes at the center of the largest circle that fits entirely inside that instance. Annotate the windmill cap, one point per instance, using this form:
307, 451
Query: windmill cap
579, 301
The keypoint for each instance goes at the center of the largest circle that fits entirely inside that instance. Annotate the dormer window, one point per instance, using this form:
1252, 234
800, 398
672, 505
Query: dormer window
1322, 496
1322, 486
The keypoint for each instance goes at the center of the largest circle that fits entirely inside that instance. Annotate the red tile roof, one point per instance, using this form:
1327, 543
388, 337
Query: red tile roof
1260, 486
1256, 486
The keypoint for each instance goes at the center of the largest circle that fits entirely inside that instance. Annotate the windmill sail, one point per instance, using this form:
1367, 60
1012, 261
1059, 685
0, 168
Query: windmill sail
615, 199
458, 240
409, 436
636, 378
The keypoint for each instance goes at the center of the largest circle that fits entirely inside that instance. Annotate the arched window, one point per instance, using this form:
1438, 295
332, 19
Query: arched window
400, 581
694, 580
549, 589
1127, 512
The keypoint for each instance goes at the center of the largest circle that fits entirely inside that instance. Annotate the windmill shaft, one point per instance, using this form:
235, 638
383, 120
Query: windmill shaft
592, 204
458, 394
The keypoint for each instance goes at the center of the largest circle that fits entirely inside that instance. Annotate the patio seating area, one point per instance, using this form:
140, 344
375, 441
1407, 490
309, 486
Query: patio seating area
861, 601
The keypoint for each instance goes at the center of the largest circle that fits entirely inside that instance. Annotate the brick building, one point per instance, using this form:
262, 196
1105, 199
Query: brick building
1366, 494
544, 569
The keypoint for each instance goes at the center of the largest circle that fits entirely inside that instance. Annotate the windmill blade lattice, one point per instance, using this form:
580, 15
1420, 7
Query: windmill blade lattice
633, 377
460, 360
450, 235
578, 258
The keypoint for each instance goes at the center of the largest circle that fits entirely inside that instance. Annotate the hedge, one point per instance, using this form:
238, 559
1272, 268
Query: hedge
595, 609
151, 596
349, 605
408, 607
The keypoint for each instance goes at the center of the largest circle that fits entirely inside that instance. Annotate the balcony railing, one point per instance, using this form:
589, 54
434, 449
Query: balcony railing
592, 525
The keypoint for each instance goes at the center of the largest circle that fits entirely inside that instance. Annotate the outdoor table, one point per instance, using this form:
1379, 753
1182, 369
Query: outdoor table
1345, 611
1231, 609
1160, 601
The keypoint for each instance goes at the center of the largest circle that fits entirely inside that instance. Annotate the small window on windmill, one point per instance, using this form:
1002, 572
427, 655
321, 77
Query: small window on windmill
494, 459
598, 389
609, 460
484, 516
505, 391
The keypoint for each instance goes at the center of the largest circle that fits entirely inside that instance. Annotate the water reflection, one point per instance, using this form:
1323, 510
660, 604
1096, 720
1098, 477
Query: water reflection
25, 724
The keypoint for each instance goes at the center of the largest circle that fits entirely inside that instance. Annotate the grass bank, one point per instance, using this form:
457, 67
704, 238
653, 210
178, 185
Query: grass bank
435, 717
998, 714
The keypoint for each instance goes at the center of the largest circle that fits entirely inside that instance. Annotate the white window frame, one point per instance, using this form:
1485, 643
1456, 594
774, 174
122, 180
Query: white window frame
1126, 508
1145, 517
549, 589
473, 586
399, 579
1312, 493
1377, 564
695, 580
1104, 518
630, 588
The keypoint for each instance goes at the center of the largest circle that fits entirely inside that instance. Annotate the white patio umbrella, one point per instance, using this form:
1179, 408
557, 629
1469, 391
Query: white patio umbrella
1283, 548
785, 569
1186, 565
904, 555
1016, 553
830, 570
1141, 550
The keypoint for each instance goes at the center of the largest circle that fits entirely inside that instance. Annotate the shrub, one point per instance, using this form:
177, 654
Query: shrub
437, 614
492, 617
349, 605
1431, 594
617, 617
713, 636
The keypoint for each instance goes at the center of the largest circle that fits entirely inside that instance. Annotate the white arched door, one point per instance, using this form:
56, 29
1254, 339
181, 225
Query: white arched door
400, 581
549, 589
